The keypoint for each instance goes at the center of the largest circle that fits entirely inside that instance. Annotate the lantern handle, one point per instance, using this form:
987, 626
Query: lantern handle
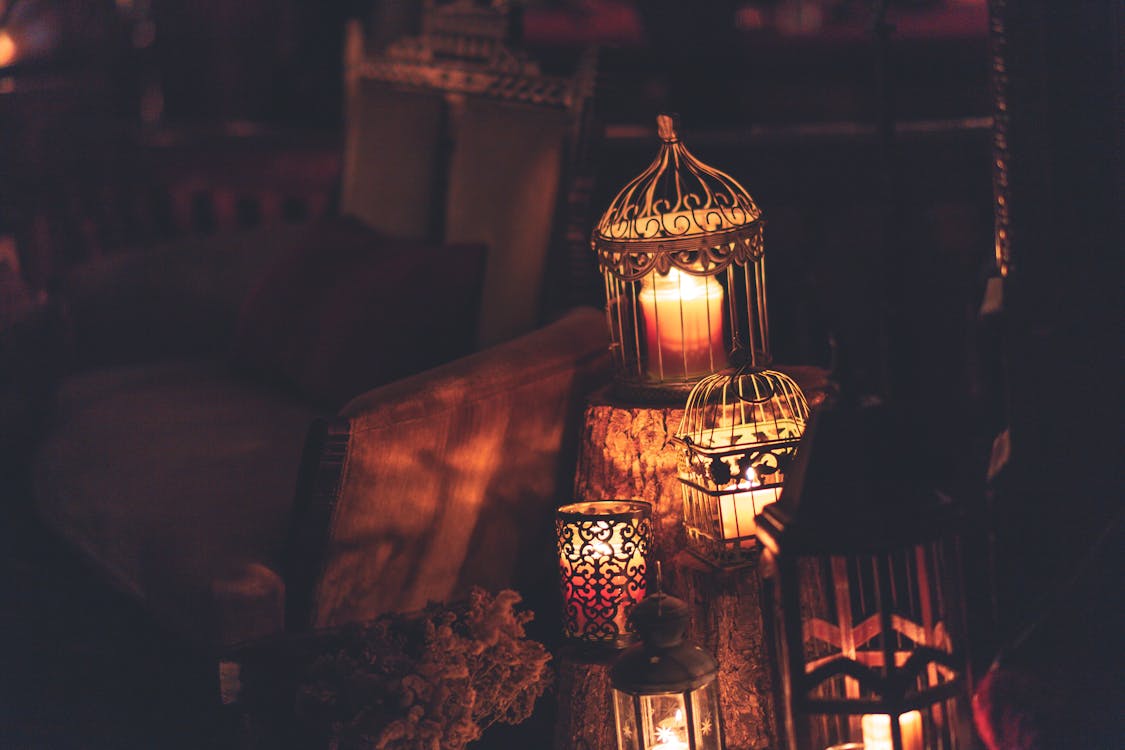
760, 384
666, 123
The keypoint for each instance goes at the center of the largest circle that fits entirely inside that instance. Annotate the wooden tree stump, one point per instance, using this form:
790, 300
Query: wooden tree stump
585, 718
625, 454
727, 622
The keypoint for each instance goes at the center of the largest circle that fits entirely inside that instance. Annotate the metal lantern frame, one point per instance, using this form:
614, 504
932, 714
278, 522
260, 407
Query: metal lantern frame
737, 438
665, 690
680, 248
862, 569
603, 548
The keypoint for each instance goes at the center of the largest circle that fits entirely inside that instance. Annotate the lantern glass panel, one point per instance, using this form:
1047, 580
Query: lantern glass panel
669, 721
664, 721
705, 709
878, 641
628, 738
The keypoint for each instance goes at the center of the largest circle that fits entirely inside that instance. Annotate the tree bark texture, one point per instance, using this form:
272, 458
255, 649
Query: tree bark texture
585, 717
625, 454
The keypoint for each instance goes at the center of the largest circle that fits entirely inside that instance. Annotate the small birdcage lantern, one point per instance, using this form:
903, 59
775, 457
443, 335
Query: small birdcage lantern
665, 690
680, 248
603, 551
737, 438
862, 571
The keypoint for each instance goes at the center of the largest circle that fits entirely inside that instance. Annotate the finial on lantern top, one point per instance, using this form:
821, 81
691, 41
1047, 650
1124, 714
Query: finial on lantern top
666, 127
660, 620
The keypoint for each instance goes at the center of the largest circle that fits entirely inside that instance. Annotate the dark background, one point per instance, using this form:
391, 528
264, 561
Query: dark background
885, 243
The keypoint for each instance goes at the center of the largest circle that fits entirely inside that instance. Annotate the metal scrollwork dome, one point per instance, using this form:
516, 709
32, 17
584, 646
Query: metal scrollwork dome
679, 212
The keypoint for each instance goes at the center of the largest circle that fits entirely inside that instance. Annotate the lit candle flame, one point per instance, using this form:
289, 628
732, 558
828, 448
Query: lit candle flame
671, 733
601, 549
751, 481
877, 731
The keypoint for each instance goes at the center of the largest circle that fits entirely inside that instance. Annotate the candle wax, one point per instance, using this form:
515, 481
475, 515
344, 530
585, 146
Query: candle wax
683, 320
877, 731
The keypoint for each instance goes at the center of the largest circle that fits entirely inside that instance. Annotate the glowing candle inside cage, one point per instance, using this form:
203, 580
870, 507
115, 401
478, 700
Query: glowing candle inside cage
603, 559
737, 511
683, 322
670, 733
877, 731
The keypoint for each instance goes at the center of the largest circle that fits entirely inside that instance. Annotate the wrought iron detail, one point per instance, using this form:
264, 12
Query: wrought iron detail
737, 438
462, 50
681, 252
1001, 152
696, 255
603, 566
679, 212
879, 657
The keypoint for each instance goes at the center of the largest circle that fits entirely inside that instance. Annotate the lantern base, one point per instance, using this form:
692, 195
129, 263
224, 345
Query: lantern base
721, 556
634, 390
651, 394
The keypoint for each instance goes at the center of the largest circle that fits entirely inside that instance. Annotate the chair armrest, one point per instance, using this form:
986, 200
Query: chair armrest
177, 299
446, 480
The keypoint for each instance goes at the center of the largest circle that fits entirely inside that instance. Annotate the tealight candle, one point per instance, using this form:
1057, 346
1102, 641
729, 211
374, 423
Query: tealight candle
603, 560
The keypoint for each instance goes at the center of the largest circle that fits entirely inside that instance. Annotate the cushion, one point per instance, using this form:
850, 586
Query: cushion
503, 191
350, 309
173, 300
170, 476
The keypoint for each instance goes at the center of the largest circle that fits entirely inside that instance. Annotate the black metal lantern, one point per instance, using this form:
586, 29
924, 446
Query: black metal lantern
665, 690
737, 438
680, 248
603, 567
863, 572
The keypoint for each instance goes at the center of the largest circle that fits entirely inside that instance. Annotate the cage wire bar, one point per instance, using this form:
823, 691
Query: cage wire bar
681, 251
862, 571
877, 641
737, 437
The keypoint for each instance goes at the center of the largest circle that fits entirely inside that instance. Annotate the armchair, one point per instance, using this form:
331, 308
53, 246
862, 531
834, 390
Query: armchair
173, 471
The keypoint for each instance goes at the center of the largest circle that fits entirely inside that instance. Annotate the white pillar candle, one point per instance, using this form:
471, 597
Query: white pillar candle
683, 317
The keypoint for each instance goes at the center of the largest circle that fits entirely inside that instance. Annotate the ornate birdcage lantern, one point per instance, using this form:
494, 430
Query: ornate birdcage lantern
603, 551
863, 571
665, 690
680, 248
737, 437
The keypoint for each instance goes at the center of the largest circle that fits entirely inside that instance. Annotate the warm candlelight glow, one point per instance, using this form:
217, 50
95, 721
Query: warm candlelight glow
877, 731
683, 320
603, 550
7, 48
737, 511
671, 734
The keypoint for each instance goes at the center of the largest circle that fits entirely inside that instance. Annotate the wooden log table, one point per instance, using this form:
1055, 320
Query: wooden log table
625, 454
